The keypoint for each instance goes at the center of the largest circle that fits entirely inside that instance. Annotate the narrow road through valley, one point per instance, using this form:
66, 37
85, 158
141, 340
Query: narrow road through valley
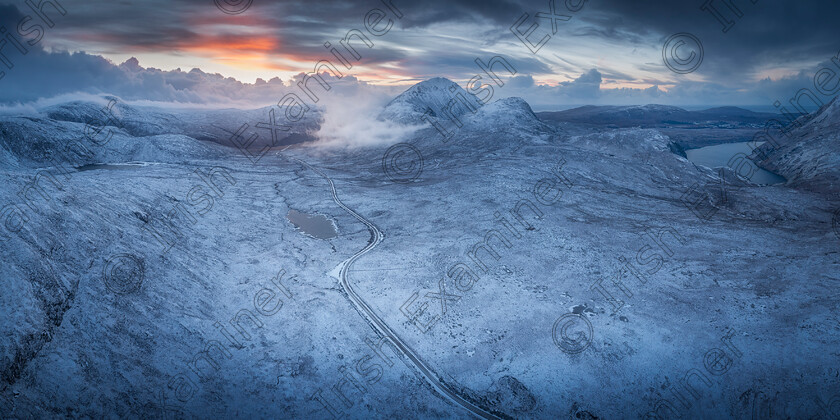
383, 329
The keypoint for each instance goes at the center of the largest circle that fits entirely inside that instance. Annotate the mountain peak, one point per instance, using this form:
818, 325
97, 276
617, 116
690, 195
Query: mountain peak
437, 97
434, 81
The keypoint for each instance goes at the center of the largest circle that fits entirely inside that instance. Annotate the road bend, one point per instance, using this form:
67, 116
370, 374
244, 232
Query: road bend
383, 329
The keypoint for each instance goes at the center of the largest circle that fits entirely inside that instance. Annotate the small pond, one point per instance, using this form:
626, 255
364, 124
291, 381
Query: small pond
315, 225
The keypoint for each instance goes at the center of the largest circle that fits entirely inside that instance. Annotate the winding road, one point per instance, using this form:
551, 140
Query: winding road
379, 325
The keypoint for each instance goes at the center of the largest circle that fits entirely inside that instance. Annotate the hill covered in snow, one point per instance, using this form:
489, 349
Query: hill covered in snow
809, 154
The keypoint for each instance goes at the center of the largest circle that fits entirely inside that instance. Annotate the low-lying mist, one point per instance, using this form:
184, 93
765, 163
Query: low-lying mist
352, 121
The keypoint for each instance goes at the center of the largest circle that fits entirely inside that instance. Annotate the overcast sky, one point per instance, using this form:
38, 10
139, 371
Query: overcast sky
608, 51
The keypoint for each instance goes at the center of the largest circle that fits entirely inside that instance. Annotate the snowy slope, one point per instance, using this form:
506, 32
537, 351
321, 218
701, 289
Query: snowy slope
508, 114
810, 156
434, 97
215, 125
109, 130
38, 142
504, 124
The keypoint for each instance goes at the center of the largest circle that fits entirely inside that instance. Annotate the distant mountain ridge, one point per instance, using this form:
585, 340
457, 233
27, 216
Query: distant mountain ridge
652, 115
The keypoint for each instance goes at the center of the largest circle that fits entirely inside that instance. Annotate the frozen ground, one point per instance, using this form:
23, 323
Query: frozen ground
736, 315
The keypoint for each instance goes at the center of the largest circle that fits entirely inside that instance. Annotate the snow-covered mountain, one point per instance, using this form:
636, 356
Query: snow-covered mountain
456, 118
438, 98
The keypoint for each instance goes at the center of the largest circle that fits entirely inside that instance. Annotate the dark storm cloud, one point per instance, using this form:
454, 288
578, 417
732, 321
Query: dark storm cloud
298, 23
9, 16
768, 33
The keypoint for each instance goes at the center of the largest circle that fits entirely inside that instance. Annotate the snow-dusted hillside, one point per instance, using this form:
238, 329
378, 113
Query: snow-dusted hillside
438, 98
38, 142
508, 114
439, 105
810, 155
108, 130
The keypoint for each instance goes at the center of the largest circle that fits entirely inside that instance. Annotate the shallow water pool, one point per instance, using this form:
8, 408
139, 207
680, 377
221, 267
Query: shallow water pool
315, 225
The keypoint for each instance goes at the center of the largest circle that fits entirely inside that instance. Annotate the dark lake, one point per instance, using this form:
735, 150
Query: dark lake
732, 155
